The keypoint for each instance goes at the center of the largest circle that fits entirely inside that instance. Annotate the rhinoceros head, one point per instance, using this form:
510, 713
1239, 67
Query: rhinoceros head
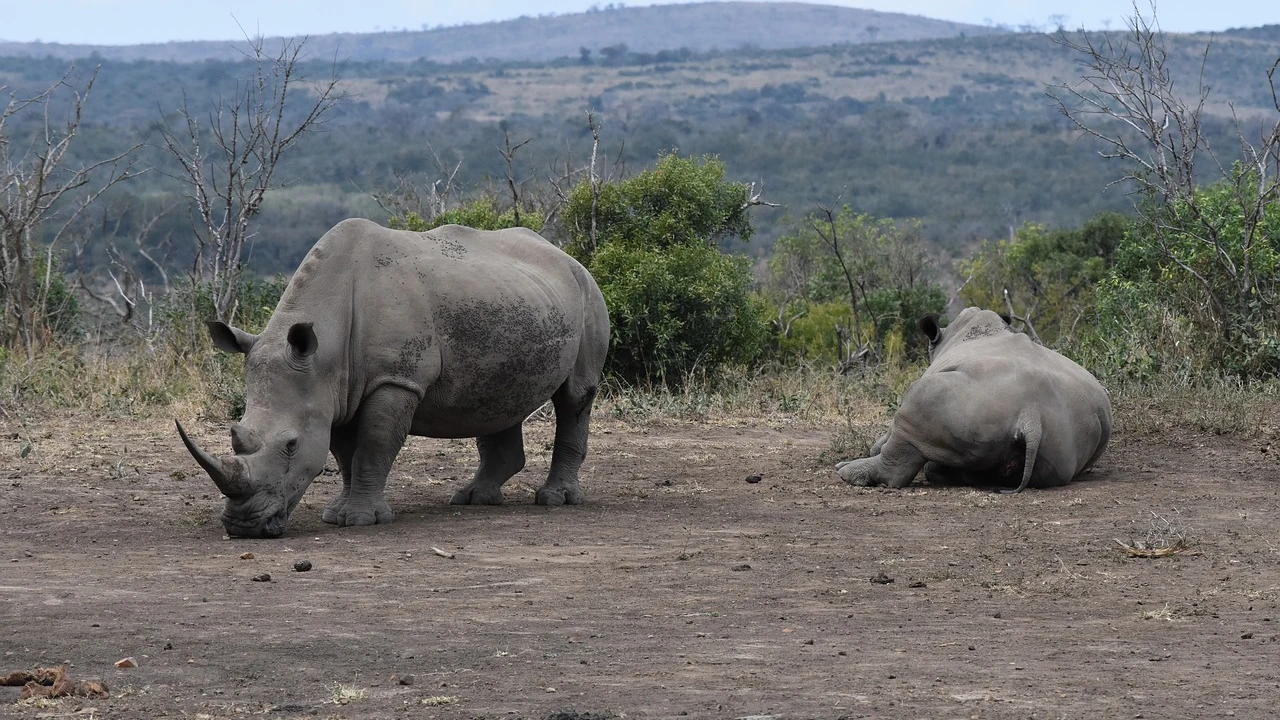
282, 442
971, 323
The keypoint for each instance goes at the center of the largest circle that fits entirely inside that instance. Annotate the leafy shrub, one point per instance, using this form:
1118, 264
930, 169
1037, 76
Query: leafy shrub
809, 333
677, 311
678, 305
1050, 275
61, 306
1195, 294
482, 213
877, 268
183, 314
680, 201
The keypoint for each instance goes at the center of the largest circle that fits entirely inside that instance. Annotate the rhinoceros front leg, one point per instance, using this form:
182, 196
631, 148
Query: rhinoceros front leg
501, 457
895, 465
381, 425
573, 424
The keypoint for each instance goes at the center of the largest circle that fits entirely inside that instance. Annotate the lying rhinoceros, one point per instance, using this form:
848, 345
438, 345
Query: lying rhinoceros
385, 333
992, 408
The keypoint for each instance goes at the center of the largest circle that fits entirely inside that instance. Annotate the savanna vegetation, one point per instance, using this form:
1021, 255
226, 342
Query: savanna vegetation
876, 210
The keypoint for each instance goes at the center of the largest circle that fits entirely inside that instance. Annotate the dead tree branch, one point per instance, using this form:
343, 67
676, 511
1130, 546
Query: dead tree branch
36, 187
229, 161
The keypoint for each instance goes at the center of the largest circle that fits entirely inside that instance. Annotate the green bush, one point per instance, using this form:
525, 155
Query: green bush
809, 333
677, 304
61, 306
1177, 301
680, 201
482, 213
677, 311
1050, 274
181, 316
878, 268
184, 339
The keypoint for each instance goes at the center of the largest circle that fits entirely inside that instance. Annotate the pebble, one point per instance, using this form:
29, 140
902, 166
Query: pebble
302, 565
753, 479
264, 577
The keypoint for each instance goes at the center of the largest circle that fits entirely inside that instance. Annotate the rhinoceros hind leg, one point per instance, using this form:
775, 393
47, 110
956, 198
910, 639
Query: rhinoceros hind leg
573, 424
856, 472
501, 457
895, 465
937, 474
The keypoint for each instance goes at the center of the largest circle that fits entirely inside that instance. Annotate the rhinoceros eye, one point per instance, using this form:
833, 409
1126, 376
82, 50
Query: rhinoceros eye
291, 447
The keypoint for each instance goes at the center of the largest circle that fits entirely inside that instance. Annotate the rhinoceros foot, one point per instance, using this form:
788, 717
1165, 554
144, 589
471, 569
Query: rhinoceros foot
473, 494
556, 495
335, 506
857, 472
353, 513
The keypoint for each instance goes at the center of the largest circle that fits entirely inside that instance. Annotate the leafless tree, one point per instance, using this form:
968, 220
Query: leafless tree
229, 162
1128, 101
594, 178
37, 186
857, 280
120, 285
412, 196
509, 155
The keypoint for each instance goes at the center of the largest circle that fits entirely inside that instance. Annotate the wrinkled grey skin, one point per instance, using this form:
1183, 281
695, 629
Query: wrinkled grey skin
992, 408
385, 333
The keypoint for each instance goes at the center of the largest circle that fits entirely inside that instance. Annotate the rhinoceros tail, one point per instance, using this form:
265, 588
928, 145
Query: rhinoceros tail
1029, 432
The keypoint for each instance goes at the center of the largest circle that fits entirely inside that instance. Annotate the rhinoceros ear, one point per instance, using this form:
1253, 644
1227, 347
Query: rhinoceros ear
929, 326
1007, 320
302, 340
229, 339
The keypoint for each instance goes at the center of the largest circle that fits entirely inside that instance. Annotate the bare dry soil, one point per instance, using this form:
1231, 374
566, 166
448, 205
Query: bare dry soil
679, 589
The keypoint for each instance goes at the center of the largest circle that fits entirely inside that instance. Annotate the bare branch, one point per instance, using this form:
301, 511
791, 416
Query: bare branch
248, 135
37, 187
1127, 101
508, 152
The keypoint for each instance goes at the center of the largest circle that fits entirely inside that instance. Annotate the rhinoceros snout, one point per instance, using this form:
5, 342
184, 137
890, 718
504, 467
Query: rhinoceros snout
274, 527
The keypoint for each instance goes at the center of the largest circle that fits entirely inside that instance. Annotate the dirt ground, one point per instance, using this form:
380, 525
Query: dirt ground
679, 589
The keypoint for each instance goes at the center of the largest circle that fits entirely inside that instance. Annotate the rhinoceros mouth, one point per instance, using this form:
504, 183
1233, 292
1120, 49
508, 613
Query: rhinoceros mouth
260, 525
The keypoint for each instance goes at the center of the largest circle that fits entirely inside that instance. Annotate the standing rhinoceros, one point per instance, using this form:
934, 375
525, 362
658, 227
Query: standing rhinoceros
993, 407
385, 333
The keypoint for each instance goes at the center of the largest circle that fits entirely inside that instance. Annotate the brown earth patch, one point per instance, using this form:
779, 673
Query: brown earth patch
679, 589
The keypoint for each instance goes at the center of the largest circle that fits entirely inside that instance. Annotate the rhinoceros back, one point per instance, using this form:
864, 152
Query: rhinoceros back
484, 325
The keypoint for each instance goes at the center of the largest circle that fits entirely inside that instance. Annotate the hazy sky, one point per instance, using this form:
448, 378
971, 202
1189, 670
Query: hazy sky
123, 22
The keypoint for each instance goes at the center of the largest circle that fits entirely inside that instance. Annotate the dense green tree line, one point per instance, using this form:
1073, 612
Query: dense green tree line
973, 162
1191, 284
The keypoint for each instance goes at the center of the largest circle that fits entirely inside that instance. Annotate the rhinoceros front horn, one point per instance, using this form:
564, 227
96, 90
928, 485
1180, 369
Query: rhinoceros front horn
228, 476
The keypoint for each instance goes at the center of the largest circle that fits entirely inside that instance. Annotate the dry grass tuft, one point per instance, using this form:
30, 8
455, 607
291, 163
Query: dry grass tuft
1164, 613
1164, 537
340, 694
805, 394
1221, 406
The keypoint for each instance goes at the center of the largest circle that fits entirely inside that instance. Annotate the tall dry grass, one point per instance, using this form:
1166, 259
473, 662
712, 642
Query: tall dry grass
854, 408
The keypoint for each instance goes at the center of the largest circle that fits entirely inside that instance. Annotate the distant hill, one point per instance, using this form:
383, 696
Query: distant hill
699, 27
1270, 33
956, 131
